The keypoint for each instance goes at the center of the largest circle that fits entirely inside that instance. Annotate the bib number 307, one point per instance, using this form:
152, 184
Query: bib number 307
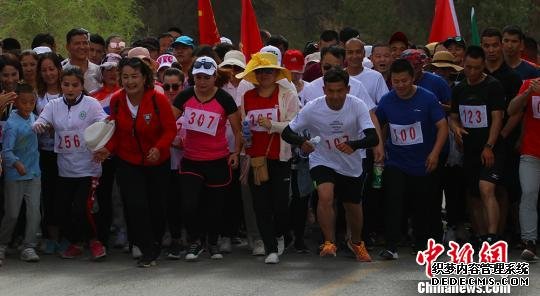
201, 121
403, 135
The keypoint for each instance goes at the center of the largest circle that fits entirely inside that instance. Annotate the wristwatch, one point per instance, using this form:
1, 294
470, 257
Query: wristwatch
489, 146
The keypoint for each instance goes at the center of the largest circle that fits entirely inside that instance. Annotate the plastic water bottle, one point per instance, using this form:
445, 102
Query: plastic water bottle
378, 169
314, 141
246, 133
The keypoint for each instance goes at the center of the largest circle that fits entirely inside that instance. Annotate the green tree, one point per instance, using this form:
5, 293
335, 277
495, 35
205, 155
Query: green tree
23, 19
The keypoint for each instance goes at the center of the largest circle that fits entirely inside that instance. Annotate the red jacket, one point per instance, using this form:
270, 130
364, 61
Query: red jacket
154, 126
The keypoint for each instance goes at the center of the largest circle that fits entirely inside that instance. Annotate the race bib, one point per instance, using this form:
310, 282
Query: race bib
536, 106
69, 142
201, 121
403, 135
332, 143
253, 117
2, 123
473, 116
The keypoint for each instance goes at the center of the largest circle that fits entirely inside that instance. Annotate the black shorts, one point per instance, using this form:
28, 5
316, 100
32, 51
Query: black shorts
215, 173
475, 171
346, 189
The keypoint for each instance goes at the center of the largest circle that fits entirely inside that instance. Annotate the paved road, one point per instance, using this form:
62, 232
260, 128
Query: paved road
237, 274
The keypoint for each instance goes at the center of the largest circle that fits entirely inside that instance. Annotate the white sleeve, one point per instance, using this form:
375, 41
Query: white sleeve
46, 116
382, 88
301, 120
97, 110
363, 117
363, 95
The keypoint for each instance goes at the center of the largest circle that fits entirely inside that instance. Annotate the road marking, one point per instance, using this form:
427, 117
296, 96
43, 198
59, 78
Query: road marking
338, 284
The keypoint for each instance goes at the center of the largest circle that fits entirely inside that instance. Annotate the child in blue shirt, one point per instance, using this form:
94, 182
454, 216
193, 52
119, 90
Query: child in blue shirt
22, 174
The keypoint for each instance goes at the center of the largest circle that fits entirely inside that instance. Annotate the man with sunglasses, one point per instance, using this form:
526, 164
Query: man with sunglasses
456, 45
78, 47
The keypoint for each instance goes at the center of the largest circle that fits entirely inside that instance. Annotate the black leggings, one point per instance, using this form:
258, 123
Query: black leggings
271, 203
144, 193
174, 206
233, 214
74, 208
49, 193
104, 197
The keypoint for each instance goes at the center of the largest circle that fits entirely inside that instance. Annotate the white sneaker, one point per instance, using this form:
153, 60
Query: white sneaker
280, 245
258, 248
136, 252
225, 246
273, 258
29, 255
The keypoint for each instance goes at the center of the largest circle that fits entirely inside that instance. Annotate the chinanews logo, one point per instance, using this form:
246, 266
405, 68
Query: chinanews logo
492, 274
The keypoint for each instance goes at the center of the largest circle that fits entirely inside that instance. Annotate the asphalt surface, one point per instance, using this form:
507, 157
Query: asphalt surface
238, 273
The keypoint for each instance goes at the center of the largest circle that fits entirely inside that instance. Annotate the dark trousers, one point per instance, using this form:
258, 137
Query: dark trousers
104, 198
202, 208
144, 192
455, 193
271, 203
174, 205
298, 208
74, 208
233, 209
422, 196
49, 193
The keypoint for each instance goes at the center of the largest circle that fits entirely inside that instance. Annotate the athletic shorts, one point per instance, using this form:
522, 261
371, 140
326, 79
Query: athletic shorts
346, 189
215, 173
475, 171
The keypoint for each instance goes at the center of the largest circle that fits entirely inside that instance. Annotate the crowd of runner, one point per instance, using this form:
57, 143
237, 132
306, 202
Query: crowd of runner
169, 149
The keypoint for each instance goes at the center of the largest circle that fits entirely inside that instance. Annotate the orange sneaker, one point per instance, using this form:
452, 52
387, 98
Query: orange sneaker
328, 249
359, 251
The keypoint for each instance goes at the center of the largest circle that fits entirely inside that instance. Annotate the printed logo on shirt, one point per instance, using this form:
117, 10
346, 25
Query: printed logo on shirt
82, 115
336, 126
147, 118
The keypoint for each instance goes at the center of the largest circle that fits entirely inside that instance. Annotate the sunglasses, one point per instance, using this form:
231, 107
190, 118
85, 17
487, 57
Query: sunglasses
265, 71
206, 65
173, 87
117, 44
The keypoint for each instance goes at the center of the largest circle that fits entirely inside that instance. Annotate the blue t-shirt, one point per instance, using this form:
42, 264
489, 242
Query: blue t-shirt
412, 129
527, 71
437, 85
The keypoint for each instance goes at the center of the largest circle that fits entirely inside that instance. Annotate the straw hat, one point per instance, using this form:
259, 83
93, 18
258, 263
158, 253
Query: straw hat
263, 60
444, 59
98, 134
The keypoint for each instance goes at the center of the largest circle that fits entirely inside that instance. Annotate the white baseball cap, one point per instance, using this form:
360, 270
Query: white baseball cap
42, 49
274, 50
166, 60
205, 65
234, 58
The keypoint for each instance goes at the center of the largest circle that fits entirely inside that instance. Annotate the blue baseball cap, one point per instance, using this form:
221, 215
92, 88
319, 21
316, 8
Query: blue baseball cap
183, 40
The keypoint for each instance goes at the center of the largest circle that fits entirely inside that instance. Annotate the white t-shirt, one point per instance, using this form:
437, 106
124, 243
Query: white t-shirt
315, 90
92, 76
232, 90
334, 127
374, 83
45, 140
69, 123
132, 108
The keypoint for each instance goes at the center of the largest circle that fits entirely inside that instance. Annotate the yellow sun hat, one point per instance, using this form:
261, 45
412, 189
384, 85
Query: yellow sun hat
263, 60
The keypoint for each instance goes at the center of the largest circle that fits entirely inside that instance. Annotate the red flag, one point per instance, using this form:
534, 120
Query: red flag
445, 23
250, 36
208, 31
